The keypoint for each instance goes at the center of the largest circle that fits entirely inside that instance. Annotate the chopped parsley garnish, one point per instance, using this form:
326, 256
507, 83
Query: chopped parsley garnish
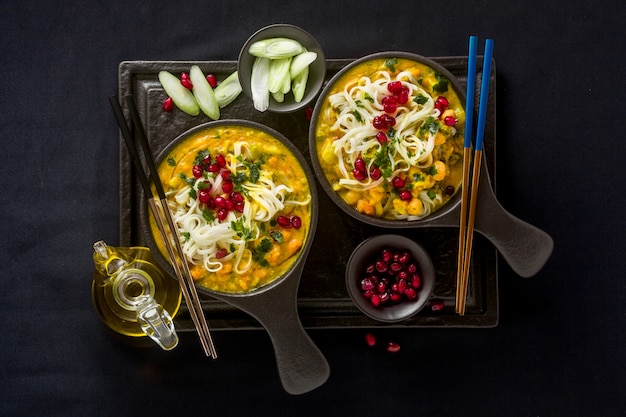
241, 229
171, 161
277, 236
359, 103
420, 99
432, 194
201, 156
189, 181
442, 84
368, 97
208, 215
186, 236
391, 64
432, 170
430, 125
258, 253
357, 116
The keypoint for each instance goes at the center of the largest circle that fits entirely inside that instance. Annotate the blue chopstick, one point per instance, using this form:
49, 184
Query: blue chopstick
469, 99
484, 94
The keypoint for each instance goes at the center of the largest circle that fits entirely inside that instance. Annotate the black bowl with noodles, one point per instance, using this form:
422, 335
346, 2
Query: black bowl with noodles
302, 367
319, 134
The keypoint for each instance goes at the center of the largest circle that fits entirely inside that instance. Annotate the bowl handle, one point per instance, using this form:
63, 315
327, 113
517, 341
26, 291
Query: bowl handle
301, 365
525, 247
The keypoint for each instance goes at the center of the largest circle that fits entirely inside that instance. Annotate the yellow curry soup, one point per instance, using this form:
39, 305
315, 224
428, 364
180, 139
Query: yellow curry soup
242, 205
389, 139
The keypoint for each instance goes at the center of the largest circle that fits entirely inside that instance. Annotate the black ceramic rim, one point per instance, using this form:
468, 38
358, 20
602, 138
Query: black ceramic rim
302, 256
374, 221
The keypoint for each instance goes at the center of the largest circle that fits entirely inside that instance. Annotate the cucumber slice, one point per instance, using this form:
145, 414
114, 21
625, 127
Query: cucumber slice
279, 74
300, 62
181, 96
228, 90
203, 92
259, 83
298, 84
275, 48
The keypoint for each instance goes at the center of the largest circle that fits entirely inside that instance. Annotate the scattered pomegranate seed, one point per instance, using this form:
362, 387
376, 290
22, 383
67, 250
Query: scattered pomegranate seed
283, 221
392, 347
186, 82
220, 202
212, 79
168, 104
359, 164
403, 96
394, 87
227, 187
398, 182
237, 197
381, 138
308, 113
405, 195
220, 160
449, 190
390, 121
203, 196
375, 173
222, 213
370, 339
437, 305
197, 171
450, 120
441, 102
221, 253
296, 222
359, 175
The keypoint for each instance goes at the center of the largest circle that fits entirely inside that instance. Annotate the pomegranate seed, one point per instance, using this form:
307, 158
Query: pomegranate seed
450, 120
203, 196
416, 281
403, 96
395, 297
168, 104
402, 275
389, 121
370, 268
442, 102
186, 82
197, 171
449, 190
308, 113
387, 255
212, 79
283, 221
239, 207
225, 174
359, 164
392, 347
412, 268
359, 175
404, 257
384, 297
296, 222
230, 204
405, 195
381, 138
368, 294
222, 213
366, 284
220, 202
237, 197
381, 267
184, 75
375, 173
394, 87
401, 285
410, 293
381, 287
378, 122
390, 104
437, 305
375, 300
227, 187
398, 182
395, 266
220, 160
221, 253
370, 339
214, 167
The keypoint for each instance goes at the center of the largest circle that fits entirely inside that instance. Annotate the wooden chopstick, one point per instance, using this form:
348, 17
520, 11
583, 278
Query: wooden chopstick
174, 252
469, 121
480, 132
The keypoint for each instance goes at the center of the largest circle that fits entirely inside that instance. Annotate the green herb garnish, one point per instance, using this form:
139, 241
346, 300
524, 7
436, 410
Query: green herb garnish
391, 64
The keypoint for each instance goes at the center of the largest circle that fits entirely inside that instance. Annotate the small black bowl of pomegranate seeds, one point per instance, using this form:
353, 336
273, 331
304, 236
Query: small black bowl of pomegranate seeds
390, 277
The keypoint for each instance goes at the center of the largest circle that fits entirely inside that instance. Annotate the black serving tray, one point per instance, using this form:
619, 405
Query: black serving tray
323, 300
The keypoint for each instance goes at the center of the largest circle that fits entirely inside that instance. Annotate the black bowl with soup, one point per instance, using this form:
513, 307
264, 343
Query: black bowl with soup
386, 139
